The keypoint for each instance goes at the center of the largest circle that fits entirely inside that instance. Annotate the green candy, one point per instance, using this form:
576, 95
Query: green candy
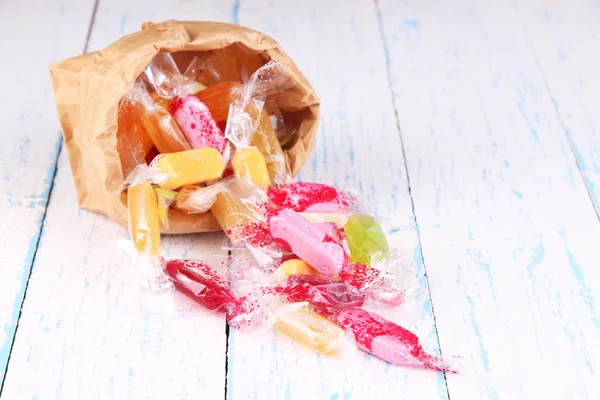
366, 240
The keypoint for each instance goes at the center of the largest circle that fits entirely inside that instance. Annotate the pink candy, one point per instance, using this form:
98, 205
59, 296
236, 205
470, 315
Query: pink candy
308, 241
387, 340
197, 124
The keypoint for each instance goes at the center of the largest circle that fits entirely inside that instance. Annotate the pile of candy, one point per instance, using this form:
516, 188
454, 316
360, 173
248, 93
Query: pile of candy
303, 256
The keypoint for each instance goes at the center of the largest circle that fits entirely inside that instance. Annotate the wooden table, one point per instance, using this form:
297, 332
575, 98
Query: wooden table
472, 127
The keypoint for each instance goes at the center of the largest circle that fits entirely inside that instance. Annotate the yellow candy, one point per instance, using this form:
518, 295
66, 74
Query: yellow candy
250, 163
190, 166
296, 267
301, 323
143, 219
232, 208
338, 219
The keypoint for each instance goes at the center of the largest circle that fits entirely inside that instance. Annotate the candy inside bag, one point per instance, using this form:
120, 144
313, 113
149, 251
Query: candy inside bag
248, 123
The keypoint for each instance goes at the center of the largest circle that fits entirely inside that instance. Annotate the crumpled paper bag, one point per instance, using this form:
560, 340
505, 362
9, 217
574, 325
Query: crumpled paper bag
88, 88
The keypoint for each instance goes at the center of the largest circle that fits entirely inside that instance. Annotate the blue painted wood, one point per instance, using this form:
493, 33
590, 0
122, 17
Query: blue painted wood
34, 34
509, 233
339, 48
565, 42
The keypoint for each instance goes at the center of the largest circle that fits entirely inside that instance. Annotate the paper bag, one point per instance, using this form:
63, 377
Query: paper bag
89, 87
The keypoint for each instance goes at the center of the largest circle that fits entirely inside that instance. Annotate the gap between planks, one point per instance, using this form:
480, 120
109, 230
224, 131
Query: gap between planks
560, 120
412, 201
47, 203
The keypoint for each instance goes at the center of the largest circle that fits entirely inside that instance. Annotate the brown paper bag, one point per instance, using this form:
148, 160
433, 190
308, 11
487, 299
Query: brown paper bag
89, 87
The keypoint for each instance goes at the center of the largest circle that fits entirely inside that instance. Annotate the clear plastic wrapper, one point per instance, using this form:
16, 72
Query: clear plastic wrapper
388, 341
157, 120
189, 167
133, 141
196, 199
314, 198
164, 199
304, 258
248, 123
284, 134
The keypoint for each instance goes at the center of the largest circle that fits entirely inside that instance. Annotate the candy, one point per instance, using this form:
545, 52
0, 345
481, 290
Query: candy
265, 140
197, 124
200, 282
366, 240
143, 219
219, 97
157, 120
238, 212
301, 323
386, 340
189, 167
322, 292
308, 242
133, 141
311, 197
249, 162
296, 266
336, 218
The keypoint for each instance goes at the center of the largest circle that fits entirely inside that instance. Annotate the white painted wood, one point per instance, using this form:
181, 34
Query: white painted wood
338, 46
34, 34
509, 235
83, 332
566, 41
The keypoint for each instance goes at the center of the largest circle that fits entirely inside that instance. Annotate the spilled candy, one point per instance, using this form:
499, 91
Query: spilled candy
308, 241
387, 340
366, 240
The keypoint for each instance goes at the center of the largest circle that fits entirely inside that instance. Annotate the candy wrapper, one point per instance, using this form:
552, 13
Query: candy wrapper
89, 88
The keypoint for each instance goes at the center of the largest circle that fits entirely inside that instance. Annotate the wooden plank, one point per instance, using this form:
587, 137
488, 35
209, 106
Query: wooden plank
34, 35
338, 46
565, 41
509, 234
84, 332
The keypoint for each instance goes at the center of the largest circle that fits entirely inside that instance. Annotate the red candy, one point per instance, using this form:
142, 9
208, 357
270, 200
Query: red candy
387, 340
322, 292
200, 282
317, 197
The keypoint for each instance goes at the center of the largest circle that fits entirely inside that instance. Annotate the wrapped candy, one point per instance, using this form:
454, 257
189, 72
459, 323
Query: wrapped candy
312, 197
198, 281
387, 340
133, 141
366, 240
219, 97
160, 125
249, 125
189, 167
323, 293
234, 63
301, 323
143, 219
249, 163
296, 266
240, 209
197, 124
308, 241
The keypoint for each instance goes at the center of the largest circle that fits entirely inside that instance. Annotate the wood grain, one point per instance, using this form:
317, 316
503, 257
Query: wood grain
509, 234
84, 331
565, 42
33, 36
338, 46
